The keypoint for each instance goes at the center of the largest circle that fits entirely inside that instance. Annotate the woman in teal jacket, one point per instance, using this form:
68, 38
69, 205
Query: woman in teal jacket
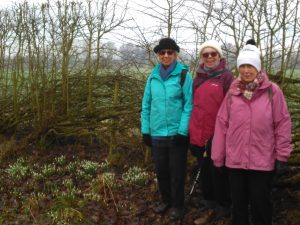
166, 110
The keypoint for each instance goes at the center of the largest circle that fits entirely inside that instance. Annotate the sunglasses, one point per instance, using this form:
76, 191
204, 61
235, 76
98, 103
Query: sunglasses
163, 52
207, 54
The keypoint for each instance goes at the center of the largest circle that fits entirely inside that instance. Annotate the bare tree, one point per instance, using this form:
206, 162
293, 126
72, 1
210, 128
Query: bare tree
167, 13
68, 15
100, 18
6, 33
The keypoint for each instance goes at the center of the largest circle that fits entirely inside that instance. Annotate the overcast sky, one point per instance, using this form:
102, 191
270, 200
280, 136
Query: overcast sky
145, 22
4, 3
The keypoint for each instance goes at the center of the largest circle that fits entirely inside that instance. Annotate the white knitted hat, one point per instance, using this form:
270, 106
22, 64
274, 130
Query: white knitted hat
249, 55
212, 44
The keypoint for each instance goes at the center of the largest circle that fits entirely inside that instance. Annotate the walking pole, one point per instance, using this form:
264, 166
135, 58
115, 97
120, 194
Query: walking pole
196, 180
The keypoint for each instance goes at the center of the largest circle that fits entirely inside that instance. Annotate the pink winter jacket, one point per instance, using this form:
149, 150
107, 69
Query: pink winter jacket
252, 134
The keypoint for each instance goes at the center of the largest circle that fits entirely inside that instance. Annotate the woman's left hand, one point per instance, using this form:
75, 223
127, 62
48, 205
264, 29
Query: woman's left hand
181, 139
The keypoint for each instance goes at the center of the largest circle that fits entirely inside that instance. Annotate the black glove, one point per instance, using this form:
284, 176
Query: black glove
219, 171
180, 139
147, 140
197, 151
281, 167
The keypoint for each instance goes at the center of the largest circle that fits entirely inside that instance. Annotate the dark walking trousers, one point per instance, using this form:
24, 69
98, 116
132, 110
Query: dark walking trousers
214, 181
170, 165
251, 187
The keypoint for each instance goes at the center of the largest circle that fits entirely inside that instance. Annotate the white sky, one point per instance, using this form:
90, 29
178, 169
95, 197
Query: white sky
4, 3
144, 22
8, 3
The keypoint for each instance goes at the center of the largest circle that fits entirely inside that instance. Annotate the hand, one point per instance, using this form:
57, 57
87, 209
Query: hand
280, 167
197, 151
147, 140
180, 139
219, 170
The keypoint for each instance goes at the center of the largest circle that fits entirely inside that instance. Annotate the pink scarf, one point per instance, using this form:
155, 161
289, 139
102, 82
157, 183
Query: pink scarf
248, 89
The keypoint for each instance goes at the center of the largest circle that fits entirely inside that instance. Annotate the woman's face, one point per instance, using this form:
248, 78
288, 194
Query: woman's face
247, 73
167, 56
210, 57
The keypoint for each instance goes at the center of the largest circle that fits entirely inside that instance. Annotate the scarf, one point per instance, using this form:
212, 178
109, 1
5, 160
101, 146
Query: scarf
211, 72
165, 72
248, 89
204, 73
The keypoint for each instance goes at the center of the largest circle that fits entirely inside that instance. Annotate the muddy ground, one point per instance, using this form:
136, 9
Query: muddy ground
124, 204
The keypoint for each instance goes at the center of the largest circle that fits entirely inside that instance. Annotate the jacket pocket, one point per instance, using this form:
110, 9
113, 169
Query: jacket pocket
263, 156
234, 156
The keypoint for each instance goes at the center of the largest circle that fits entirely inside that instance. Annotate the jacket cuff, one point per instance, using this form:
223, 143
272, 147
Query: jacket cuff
182, 132
218, 164
145, 131
281, 158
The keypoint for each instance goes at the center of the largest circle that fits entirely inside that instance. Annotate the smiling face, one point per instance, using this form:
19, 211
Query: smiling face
247, 73
167, 56
210, 57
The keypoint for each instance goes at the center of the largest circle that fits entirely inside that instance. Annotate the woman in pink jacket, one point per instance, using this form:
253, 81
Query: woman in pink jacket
252, 138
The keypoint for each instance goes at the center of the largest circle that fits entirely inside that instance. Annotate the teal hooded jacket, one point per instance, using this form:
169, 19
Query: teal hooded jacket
166, 106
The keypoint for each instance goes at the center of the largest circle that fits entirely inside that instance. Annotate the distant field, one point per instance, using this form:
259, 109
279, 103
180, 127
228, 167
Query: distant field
296, 73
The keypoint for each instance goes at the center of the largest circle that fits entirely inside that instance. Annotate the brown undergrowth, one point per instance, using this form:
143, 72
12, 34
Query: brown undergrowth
74, 184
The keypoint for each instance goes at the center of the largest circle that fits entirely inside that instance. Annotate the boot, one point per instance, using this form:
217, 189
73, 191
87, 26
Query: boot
208, 204
177, 213
161, 207
223, 212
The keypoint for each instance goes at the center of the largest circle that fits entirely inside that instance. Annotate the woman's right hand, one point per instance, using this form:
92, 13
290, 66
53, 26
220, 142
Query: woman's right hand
197, 151
147, 140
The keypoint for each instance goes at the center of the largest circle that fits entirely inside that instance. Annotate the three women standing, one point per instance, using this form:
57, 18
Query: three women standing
248, 130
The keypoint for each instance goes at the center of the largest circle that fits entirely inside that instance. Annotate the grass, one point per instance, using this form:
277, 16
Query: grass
296, 73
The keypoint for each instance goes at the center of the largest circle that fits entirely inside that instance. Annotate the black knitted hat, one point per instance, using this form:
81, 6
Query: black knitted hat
166, 43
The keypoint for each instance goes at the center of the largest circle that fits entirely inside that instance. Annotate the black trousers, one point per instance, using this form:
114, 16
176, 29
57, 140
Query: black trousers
251, 187
214, 181
170, 165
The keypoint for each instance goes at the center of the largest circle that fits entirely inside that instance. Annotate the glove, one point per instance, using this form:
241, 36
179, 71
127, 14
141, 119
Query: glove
280, 167
197, 151
180, 139
219, 171
147, 140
